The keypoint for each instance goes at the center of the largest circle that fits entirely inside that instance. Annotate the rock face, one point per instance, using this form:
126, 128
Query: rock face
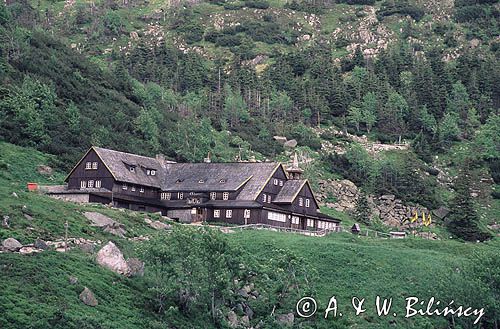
115, 229
280, 139
88, 298
344, 192
11, 244
111, 258
286, 319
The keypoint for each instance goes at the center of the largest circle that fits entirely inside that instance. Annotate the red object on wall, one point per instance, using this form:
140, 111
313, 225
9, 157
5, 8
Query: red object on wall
32, 186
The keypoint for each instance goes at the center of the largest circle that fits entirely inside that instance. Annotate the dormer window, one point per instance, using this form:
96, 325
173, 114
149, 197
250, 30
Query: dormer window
153, 172
178, 181
264, 198
132, 188
222, 181
141, 190
180, 196
225, 196
275, 181
308, 203
88, 165
213, 195
132, 169
201, 181
281, 182
301, 202
124, 187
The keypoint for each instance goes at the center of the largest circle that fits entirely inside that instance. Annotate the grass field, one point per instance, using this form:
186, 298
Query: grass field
36, 292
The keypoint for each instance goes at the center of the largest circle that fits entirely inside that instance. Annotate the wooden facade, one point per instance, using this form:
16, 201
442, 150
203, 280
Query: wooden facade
236, 193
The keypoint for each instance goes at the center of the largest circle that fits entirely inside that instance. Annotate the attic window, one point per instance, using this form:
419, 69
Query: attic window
132, 169
153, 172
222, 181
201, 181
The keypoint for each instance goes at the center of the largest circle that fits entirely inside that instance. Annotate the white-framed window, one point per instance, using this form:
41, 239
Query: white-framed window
216, 213
295, 220
88, 165
213, 195
164, 195
90, 184
225, 196
148, 172
168, 196
132, 169
133, 189
98, 184
321, 224
141, 190
94, 165
308, 203
275, 181
281, 182
269, 199
180, 195
229, 213
124, 187
276, 216
264, 198
153, 172
83, 184
301, 202
310, 222
246, 213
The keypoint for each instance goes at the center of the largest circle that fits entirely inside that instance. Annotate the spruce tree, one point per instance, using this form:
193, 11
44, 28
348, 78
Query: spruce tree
362, 212
463, 221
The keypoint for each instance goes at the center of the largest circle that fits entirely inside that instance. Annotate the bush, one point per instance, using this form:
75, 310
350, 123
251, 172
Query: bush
401, 8
258, 4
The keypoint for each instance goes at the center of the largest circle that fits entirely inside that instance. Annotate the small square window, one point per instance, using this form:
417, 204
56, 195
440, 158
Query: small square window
133, 189
94, 165
180, 196
229, 213
225, 196
268, 199
153, 172
216, 213
222, 181
88, 165
213, 195
275, 182
141, 190
301, 202
124, 187
264, 198
168, 196
91, 183
98, 184
246, 213
308, 203
281, 182
148, 172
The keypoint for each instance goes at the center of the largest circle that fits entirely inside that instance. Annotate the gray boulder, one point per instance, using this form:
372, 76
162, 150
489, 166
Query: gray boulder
112, 258
232, 319
291, 143
73, 280
11, 244
40, 244
135, 266
88, 298
5, 221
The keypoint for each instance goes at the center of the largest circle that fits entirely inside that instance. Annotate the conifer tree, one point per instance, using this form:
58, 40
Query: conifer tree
463, 221
362, 212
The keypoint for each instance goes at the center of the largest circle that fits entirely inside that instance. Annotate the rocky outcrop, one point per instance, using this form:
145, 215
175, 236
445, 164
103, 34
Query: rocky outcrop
88, 298
44, 170
291, 143
106, 223
135, 267
286, 319
339, 195
112, 258
157, 225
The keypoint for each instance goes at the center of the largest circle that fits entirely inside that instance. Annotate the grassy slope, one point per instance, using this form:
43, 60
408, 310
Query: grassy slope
36, 292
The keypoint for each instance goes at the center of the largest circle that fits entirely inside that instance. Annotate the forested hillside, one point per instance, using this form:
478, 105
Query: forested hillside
189, 78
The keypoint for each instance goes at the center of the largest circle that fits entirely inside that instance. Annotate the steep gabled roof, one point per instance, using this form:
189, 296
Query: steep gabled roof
218, 177
118, 164
290, 190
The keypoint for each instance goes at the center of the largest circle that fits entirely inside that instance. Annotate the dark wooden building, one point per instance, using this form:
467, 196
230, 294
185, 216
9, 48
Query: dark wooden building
238, 193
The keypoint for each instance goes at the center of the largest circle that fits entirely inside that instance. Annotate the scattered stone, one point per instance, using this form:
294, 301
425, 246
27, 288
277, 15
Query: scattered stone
5, 221
29, 250
115, 229
232, 319
111, 258
87, 247
88, 298
44, 170
157, 225
441, 212
245, 321
291, 143
390, 197
136, 267
98, 219
14, 194
11, 244
286, 319
280, 139
40, 244
243, 293
248, 312
28, 217
73, 280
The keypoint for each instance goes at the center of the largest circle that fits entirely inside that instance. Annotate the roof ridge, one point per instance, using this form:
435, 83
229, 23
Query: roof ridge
127, 153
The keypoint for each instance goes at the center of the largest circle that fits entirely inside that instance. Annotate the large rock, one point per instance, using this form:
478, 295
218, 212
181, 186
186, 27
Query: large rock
44, 170
88, 298
280, 139
157, 225
98, 219
291, 143
136, 267
5, 221
232, 319
11, 244
40, 244
115, 229
112, 258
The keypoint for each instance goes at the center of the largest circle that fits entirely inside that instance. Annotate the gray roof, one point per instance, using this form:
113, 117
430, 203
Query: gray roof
289, 191
118, 163
218, 177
